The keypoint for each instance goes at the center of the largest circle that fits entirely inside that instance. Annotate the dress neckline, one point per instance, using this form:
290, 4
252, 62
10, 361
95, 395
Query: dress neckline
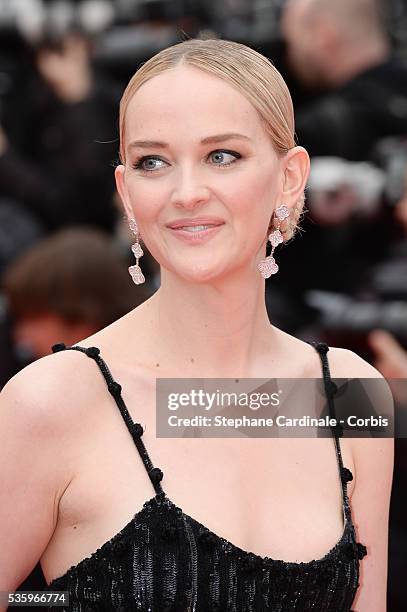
162, 498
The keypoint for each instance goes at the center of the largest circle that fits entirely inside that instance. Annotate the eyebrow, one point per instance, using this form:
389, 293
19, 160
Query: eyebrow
148, 144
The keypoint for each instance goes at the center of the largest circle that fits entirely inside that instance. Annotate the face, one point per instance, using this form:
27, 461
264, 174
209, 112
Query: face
212, 164
302, 36
35, 335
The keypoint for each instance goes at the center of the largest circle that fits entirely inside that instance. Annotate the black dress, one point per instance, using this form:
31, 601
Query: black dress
165, 560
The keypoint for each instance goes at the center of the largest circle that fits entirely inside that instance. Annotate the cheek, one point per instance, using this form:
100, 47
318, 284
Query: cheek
147, 197
255, 195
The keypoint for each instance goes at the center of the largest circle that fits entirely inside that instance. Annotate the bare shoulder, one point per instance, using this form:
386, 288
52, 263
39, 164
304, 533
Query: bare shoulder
52, 389
43, 404
344, 363
51, 403
42, 420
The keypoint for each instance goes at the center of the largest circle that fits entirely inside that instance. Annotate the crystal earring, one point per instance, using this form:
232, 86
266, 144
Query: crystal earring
135, 271
268, 265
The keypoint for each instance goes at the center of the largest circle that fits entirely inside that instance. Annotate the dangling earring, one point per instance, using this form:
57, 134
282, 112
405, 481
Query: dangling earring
268, 265
135, 271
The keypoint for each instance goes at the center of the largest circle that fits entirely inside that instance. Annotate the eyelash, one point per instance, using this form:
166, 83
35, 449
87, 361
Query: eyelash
138, 163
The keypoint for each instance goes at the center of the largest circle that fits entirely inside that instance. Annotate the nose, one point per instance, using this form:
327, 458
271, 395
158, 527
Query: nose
189, 191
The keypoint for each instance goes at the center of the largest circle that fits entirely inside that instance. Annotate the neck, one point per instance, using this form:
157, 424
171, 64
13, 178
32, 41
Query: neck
214, 329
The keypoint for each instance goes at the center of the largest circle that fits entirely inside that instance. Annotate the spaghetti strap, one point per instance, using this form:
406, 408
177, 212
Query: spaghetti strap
330, 390
136, 429
165, 559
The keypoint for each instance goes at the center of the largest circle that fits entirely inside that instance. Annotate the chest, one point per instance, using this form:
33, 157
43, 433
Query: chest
275, 497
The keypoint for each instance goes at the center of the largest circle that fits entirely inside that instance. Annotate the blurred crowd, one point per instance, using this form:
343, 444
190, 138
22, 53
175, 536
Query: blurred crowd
64, 246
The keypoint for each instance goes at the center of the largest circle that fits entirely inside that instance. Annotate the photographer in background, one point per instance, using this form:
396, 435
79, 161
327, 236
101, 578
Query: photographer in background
65, 288
367, 204
342, 51
58, 167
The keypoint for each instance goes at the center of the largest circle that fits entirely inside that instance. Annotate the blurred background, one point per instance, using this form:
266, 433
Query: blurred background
64, 246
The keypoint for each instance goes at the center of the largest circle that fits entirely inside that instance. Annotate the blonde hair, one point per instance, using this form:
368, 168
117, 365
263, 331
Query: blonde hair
252, 74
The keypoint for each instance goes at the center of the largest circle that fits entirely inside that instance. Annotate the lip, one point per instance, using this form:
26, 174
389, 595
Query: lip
197, 221
196, 237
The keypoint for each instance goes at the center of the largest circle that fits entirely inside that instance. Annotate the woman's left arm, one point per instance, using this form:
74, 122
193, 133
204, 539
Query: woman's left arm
373, 460
373, 463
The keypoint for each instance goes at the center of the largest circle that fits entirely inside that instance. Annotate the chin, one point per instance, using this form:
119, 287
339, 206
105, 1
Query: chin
199, 274
202, 276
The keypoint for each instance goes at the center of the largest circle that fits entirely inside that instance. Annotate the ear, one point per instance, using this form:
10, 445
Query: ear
119, 175
296, 167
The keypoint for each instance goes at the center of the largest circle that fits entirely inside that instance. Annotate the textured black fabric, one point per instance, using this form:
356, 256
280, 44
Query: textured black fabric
165, 560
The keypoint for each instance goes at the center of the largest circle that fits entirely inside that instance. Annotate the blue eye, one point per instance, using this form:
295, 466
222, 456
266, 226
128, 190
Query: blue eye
221, 155
152, 159
138, 165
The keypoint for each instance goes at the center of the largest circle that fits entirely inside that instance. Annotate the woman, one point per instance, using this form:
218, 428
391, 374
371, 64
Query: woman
207, 138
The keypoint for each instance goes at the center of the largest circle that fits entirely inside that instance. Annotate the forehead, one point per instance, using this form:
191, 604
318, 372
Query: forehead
188, 101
